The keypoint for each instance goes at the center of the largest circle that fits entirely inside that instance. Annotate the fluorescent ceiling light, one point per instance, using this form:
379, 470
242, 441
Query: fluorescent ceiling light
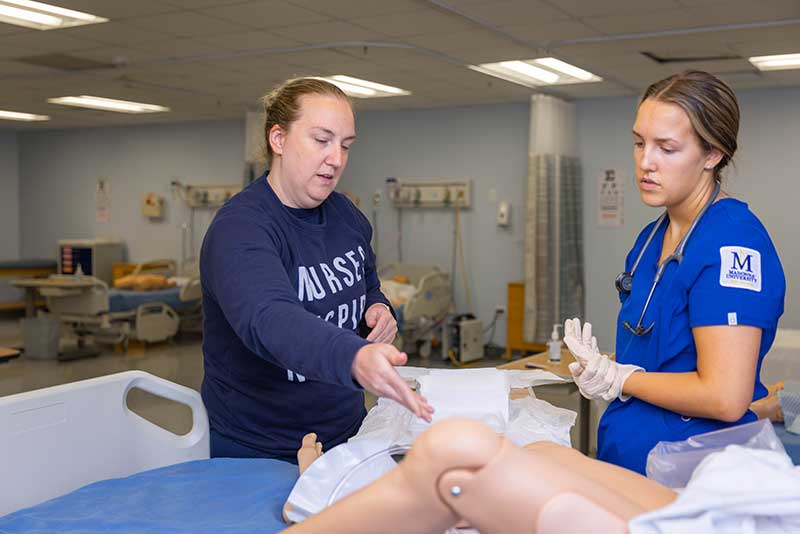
526, 69
537, 72
358, 88
107, 104
779, 62
26, 117
565, 68
42, 16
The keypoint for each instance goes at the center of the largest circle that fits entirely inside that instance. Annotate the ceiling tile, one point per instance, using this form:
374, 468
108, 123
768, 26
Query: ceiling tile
498, 53
119, 55
415, 23
320, 62
116, 33
457, 43
266, 14
349, 9
591, 8
39, 42
767, 47
10, 51
325, 32
10, 28
16, 68
661, 20
543, 33
594, 90
187, 24
516, 12
118, 9
180, 48
249, 40
198, 4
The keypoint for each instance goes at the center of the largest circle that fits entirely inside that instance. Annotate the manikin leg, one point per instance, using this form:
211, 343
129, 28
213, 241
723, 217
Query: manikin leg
462, 469
309, 450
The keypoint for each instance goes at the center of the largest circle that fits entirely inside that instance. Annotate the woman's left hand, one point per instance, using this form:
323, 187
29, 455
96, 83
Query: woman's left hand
381, 320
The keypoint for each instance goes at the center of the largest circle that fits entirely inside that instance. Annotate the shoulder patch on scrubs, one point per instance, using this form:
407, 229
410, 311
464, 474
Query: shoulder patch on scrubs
740, 267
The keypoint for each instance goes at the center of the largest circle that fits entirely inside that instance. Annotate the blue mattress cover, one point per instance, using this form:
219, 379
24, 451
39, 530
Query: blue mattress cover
219, 496
122, 300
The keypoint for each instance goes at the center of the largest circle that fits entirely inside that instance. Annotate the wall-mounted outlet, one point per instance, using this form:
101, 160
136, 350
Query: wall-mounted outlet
500, 309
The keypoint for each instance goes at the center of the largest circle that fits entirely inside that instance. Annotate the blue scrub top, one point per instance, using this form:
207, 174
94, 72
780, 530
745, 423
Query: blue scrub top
730, 274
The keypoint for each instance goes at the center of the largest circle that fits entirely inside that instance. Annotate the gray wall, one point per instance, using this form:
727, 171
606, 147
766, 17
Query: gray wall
764, 176
9, 197
60, 169
485, 144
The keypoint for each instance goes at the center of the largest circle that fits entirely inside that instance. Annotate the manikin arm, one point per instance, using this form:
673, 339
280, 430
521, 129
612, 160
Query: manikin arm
463, 470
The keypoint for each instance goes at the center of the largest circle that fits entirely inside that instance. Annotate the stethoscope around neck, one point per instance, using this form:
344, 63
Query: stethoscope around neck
624, 280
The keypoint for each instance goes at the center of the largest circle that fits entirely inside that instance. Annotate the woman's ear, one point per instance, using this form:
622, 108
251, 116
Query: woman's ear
713, 158
276, 138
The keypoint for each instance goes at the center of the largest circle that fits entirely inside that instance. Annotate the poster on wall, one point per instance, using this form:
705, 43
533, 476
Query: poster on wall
610, 199
103, 201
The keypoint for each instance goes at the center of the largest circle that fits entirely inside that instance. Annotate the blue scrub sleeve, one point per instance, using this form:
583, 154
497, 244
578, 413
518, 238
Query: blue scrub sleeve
248, 280
743, 283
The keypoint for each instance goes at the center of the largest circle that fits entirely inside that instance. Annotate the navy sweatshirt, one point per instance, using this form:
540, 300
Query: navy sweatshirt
283, 302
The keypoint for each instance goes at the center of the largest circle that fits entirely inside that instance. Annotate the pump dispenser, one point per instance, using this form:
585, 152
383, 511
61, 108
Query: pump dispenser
554, 345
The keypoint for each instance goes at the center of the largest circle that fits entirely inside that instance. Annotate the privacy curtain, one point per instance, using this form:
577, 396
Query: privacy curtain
554, 278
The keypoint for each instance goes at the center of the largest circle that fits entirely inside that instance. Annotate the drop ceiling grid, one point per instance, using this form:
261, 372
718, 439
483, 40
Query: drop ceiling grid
193, 30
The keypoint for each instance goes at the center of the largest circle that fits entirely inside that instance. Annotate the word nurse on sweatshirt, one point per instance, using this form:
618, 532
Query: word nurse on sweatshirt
284, 295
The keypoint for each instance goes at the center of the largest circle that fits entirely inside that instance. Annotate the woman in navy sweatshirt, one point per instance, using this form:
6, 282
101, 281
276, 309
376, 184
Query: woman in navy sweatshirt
288, 280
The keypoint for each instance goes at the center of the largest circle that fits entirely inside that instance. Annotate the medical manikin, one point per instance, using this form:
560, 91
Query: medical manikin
460, 471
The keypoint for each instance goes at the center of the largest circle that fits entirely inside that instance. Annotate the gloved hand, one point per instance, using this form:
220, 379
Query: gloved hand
595, 374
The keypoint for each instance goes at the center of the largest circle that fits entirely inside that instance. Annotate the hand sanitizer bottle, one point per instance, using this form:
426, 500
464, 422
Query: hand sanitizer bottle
554, 345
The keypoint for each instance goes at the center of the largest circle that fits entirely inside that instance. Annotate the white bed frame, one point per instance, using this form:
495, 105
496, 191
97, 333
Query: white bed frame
429, 304
57, 439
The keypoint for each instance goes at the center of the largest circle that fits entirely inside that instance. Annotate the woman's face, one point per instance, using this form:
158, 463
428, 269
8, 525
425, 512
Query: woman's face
313, 151
671, 164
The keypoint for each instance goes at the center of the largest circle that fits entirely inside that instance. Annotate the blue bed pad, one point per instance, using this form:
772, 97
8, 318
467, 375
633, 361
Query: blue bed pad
122, 300
216, 496
791, 442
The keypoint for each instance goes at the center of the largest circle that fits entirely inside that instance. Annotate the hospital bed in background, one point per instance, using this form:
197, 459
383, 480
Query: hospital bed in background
90, 309
421, 296
184, 298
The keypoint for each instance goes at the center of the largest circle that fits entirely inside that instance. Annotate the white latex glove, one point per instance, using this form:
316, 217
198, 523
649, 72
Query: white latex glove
602, 378
581, 343
595, 374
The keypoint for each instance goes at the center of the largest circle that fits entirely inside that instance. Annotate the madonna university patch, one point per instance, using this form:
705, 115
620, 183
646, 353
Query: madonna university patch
740, 267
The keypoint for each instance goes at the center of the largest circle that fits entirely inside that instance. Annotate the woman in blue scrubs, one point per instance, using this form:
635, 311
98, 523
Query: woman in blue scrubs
702, 289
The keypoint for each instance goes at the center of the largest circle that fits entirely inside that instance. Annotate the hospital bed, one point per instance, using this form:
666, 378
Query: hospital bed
421, 296
75, 459
141, 477
91, 309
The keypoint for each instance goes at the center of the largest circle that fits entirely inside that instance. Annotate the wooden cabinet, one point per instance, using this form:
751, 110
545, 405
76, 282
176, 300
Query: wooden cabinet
515, 307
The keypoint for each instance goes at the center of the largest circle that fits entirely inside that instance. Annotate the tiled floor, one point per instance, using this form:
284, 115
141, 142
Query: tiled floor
180, 361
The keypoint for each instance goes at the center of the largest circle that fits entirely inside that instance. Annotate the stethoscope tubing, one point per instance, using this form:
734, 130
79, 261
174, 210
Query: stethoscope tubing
676, 256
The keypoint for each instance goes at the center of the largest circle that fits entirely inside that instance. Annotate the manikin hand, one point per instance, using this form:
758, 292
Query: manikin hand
595, 374
383, 324
373, 368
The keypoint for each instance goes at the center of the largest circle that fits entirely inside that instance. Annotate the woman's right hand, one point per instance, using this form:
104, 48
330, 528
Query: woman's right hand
373, 368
